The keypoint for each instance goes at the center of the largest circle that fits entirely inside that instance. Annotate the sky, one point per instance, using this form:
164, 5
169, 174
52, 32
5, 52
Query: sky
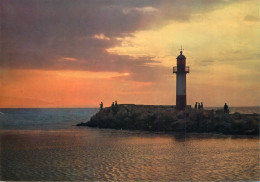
78, 53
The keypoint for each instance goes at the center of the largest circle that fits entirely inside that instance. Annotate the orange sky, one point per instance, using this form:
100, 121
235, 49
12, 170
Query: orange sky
126, 51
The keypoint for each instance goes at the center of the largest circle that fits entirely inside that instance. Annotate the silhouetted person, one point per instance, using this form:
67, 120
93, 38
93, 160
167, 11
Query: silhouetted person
113, 105
101, 106
196, 105
116, 106
201, 105
226, 108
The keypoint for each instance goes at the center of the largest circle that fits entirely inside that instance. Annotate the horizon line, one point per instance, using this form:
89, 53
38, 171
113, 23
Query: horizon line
94, 107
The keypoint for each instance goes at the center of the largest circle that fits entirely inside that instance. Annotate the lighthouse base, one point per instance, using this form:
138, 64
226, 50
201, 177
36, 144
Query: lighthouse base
180, 102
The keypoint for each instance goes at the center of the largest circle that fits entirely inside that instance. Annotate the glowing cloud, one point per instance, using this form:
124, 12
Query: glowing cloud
125, 51
101, 37
67, 59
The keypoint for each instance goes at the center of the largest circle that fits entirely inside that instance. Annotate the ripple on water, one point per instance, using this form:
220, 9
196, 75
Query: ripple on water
116, 155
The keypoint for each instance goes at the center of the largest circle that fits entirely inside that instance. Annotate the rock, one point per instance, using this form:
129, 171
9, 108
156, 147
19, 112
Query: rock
236, 115
220, 111
167, 118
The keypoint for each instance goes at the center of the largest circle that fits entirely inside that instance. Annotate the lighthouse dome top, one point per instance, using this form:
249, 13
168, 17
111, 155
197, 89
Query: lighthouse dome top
181, 56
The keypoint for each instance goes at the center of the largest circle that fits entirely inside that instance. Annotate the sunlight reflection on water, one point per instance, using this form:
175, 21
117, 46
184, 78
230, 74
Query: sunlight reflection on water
95, 154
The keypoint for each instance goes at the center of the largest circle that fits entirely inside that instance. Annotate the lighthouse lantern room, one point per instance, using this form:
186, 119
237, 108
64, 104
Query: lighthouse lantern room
181, 70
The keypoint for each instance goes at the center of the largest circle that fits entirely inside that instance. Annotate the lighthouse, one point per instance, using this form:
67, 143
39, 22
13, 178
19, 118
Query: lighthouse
181, 70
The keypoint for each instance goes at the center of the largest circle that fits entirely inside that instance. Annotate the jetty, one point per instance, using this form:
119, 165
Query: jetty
178, 118
161, 118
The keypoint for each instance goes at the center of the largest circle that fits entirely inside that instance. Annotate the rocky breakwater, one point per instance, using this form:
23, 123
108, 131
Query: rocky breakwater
168, 119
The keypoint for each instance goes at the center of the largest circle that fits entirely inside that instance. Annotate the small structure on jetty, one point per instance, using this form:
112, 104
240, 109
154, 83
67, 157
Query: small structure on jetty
181, 70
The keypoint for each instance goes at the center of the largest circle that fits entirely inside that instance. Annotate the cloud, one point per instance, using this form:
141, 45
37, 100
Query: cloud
101, 37
206, 62
147, 9
35, 34
68, 59
251, 18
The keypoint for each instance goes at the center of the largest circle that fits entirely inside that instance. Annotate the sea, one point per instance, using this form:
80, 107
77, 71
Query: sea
44, 144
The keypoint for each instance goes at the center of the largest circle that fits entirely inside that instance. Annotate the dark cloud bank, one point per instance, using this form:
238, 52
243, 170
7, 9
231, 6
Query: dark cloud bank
39, 34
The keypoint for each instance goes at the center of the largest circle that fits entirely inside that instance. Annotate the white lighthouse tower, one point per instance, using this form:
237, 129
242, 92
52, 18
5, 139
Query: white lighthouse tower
181, 70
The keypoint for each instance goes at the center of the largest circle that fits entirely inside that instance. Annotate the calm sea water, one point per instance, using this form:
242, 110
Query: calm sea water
43, 144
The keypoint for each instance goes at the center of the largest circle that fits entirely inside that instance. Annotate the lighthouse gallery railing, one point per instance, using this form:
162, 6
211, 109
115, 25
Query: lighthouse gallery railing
187, 69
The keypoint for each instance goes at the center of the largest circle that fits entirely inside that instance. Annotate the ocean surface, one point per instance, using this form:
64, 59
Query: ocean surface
45, 144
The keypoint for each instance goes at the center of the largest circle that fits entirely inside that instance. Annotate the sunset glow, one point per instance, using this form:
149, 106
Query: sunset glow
125, 51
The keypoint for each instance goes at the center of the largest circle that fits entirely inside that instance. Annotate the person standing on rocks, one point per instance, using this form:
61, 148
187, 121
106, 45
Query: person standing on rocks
113, 107
201, 105
226, 108
116, 106
101, 105
196, 105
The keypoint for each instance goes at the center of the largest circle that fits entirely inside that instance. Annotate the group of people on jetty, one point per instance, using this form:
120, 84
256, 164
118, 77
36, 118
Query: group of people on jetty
198, 105
114, 106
